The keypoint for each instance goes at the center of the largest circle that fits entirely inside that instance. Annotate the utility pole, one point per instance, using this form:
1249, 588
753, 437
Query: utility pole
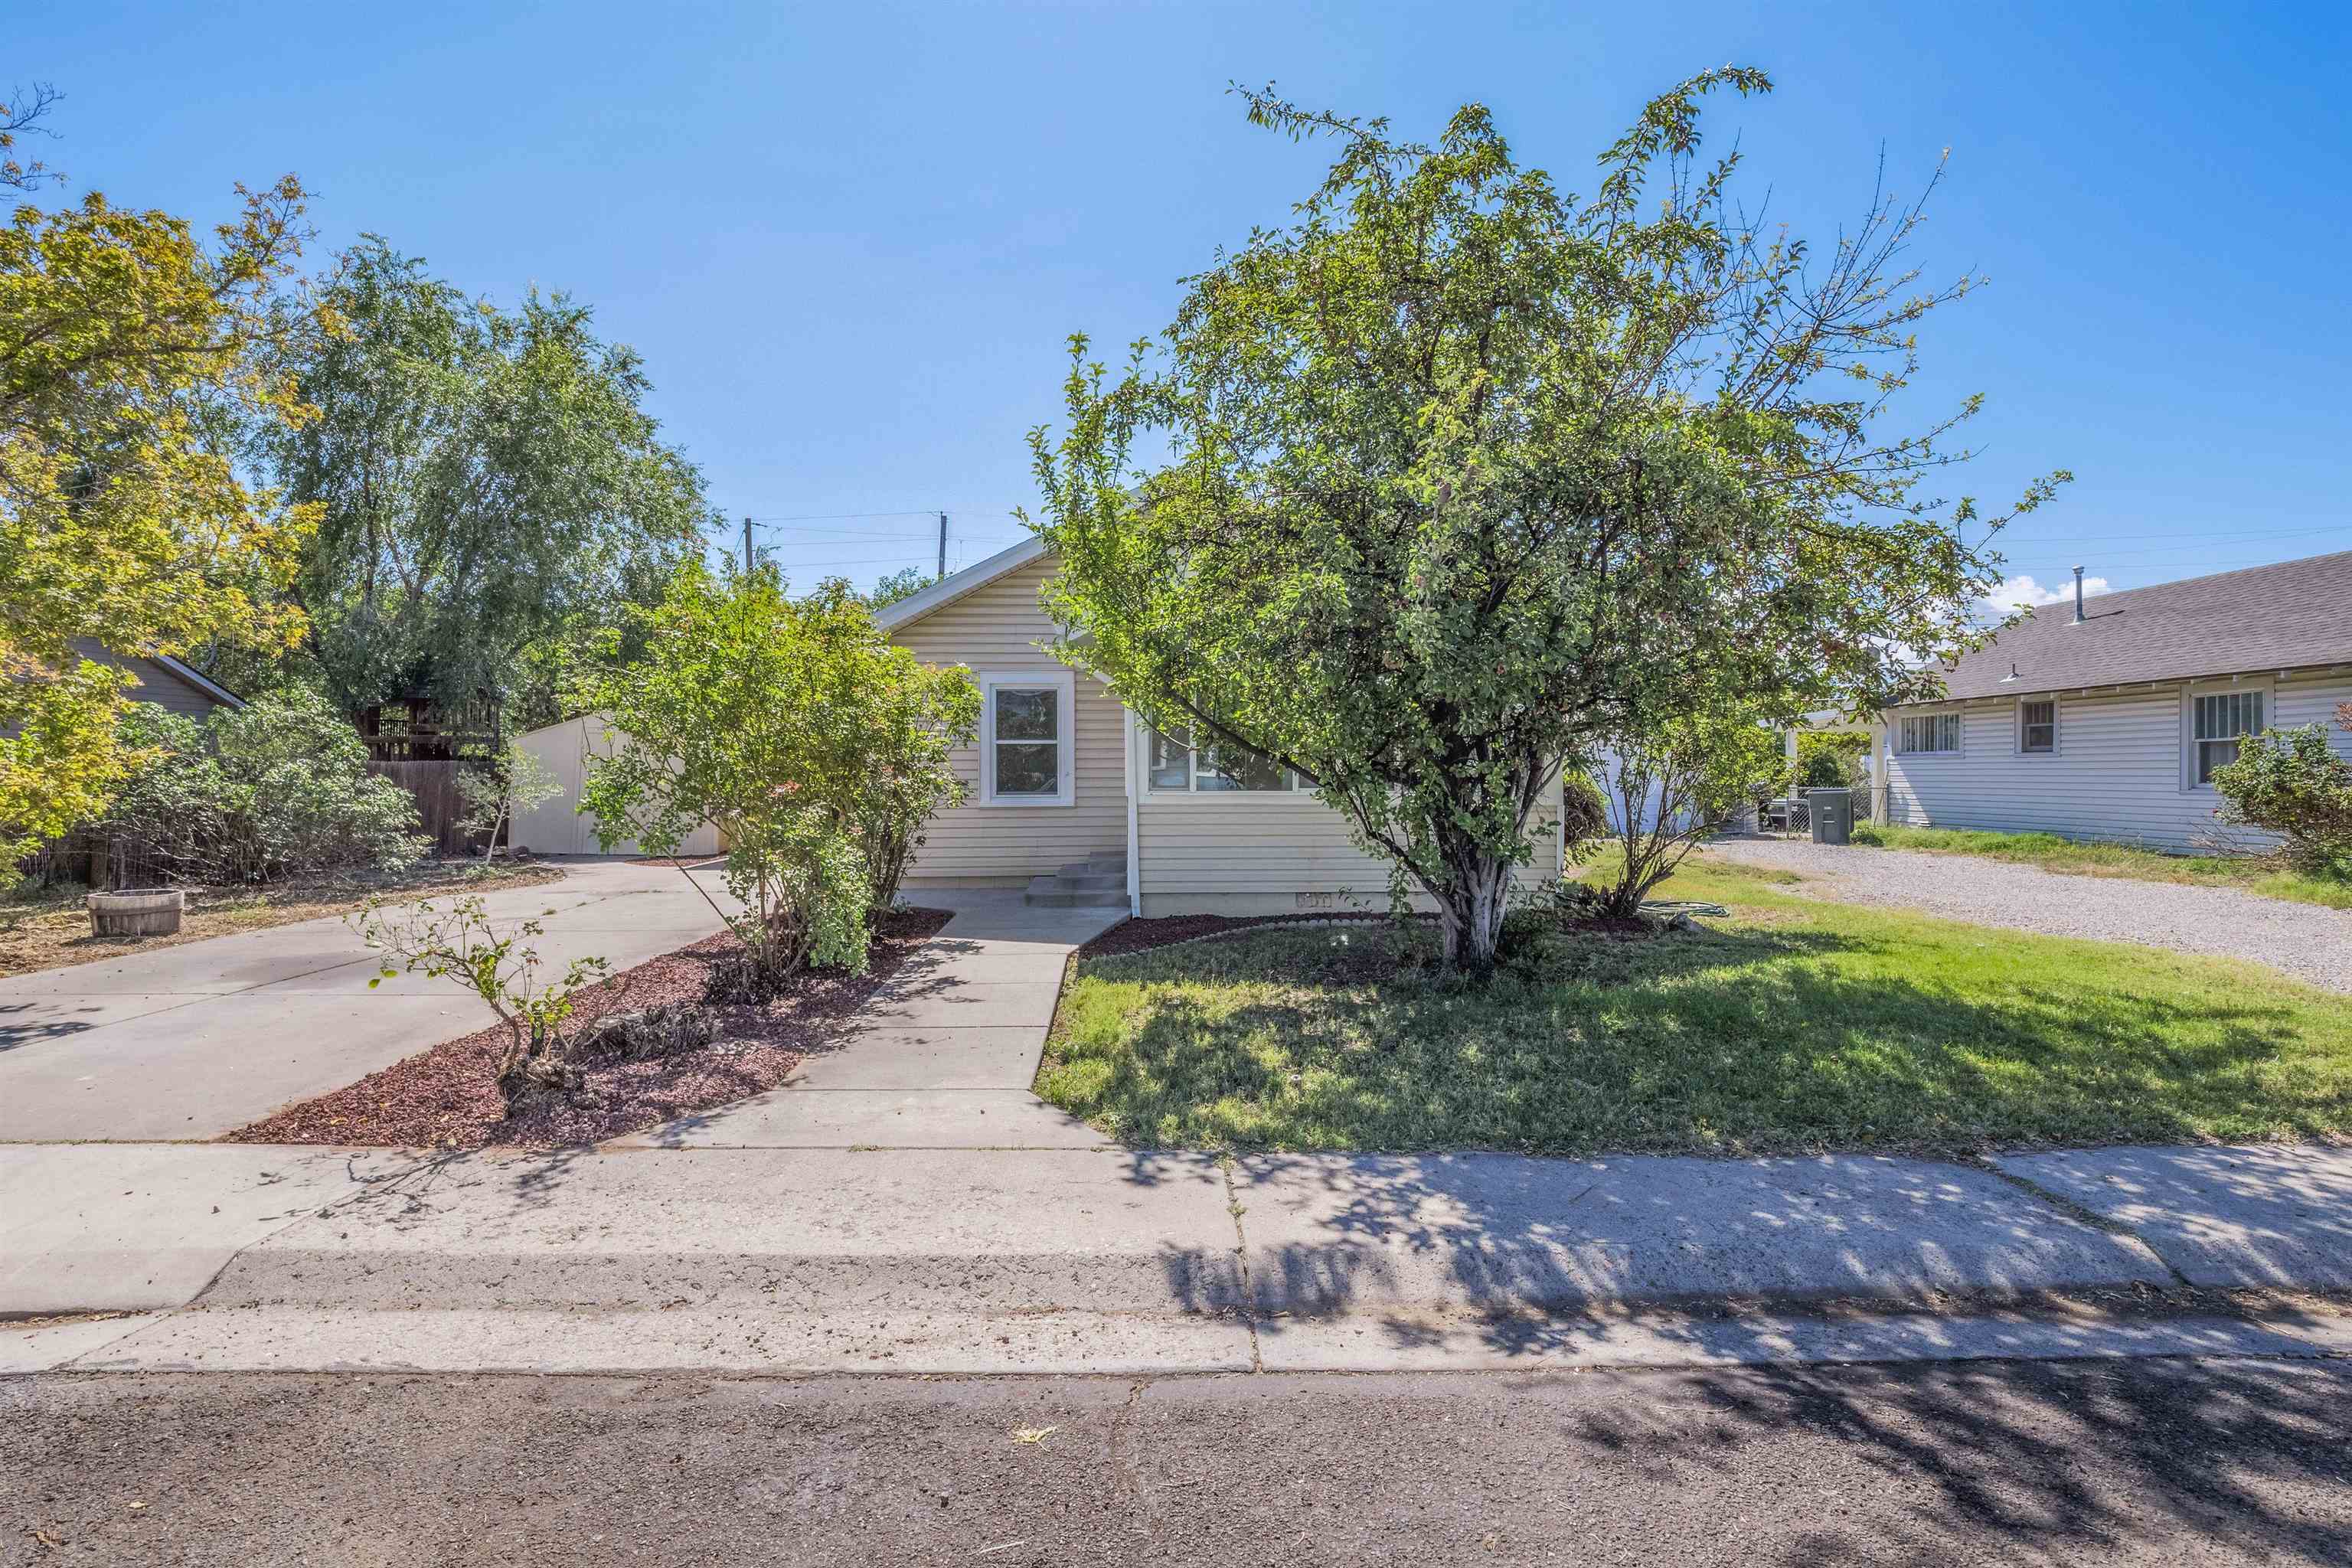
747, 543
943, 545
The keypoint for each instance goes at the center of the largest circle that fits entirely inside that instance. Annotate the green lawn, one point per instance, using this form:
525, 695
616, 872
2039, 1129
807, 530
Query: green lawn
2077, 857
1795, 1026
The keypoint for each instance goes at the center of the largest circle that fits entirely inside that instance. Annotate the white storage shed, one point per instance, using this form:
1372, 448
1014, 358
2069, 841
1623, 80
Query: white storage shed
559, 827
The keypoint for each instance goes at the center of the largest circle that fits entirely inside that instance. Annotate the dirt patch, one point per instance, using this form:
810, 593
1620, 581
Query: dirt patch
445, 1098
51, 929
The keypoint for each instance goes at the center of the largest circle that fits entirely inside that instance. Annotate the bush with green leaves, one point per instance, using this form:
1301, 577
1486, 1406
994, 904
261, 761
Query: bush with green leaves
496, 792
279, 788
814, 746
1829, 760
1584, 814
1674, 786
456, 941
2293, 784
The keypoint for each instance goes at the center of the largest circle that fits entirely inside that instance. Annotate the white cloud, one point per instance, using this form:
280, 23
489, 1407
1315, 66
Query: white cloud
2022, 589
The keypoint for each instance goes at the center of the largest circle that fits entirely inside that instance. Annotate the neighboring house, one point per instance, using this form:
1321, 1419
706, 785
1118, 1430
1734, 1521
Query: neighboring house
2106, 719
165, 681
1076, 800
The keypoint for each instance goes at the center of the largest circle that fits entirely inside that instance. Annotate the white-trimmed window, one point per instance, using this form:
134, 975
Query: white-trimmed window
2037, 726
1929, 736
2217, 720
1173, 766
1027, 719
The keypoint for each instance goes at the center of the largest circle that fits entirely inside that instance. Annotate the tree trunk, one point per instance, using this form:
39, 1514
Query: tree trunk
532, 1071
1470, 911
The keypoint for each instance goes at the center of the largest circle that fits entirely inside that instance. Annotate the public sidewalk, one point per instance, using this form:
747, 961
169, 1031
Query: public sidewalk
905, 1205
927, 1259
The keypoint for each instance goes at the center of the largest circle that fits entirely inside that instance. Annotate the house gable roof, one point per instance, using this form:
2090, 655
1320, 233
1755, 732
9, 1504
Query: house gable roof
209, 687
948, 590
2292, 614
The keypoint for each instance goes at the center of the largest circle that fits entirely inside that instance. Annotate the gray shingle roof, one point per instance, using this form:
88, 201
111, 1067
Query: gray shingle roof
2283, 616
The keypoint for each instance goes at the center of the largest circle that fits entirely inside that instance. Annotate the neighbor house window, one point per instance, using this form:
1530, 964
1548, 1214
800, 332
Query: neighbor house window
2037, 726
1175, 767
1928, 734
1025, 739
2219, 721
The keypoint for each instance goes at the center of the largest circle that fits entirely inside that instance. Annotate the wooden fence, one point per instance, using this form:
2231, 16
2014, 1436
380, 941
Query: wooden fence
433, 785
95, 859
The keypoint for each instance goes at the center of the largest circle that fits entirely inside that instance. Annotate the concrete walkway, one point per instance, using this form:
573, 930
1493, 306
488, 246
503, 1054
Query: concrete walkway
907, 1205
943, 1056
197, 1040
977, 1260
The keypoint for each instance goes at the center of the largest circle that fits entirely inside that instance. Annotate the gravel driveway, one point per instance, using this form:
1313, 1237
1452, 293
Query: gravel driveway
2311, 943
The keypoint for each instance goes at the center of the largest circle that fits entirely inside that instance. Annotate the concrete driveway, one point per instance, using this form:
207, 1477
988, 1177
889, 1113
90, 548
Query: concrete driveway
196, 1040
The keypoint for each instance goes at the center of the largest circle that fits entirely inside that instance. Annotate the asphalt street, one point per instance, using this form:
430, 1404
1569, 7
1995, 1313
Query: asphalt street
2149, 1461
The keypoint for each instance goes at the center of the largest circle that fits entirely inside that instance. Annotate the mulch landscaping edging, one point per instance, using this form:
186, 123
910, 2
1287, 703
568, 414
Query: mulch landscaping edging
1179, 931
1134, 936
445, 1098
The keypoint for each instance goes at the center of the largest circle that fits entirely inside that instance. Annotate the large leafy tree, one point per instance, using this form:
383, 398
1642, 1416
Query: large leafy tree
1459, 474
490, 489
128, 344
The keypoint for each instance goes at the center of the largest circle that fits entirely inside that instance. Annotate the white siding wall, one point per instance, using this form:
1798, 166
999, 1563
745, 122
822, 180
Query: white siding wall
557, 826
1000, 628
2118, 773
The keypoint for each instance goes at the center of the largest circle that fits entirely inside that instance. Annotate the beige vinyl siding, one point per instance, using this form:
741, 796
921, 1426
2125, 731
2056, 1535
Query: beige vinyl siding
2118, 773
999, 627
1245, 853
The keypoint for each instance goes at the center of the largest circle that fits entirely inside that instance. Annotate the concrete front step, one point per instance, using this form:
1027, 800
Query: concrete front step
1051, 893
1097, 883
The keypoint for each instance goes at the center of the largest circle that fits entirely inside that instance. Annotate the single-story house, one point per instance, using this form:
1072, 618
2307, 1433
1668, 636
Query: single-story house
2105, 719
1074, 799
164, 681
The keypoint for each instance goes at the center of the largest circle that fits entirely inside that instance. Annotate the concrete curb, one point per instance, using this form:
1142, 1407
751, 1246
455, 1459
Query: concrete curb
1084, 1260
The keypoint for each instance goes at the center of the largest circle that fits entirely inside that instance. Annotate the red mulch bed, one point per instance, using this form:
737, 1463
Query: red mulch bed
446, 1098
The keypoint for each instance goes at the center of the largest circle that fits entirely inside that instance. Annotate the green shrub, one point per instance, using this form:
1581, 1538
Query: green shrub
278, 788
1830, 759
1584, 815
2291, 782
816, 746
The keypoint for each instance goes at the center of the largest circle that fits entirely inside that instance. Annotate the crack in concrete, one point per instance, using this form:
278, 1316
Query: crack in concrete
2075, 1211
1235, 1207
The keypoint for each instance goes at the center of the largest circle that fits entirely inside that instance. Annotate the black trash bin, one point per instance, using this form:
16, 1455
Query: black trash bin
1832, 813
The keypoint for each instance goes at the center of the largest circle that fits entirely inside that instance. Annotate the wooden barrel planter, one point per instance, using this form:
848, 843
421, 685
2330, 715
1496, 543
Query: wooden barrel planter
137, 911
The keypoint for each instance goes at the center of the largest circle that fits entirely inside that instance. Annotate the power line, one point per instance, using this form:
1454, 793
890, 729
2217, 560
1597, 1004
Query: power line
843, 516
912, 558
920, 510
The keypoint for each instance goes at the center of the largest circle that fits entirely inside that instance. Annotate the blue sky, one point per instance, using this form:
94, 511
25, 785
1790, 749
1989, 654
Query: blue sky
849, 239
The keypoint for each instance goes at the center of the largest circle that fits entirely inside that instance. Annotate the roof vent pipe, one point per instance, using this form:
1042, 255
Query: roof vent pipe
2078, 596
